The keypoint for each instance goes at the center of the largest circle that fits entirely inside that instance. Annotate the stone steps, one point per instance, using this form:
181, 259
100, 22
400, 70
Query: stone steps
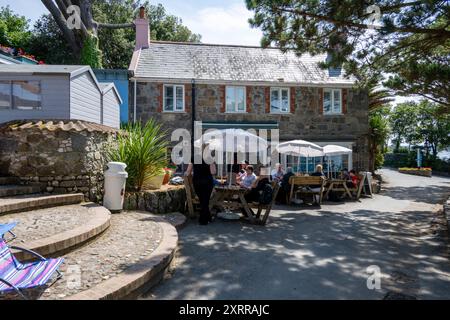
112, 267
9, 180
57, 240
32, 202
15, 190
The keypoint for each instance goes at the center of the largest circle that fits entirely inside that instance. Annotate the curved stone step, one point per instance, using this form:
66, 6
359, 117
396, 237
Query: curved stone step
33, 202
63, 242
15, 190
143, 274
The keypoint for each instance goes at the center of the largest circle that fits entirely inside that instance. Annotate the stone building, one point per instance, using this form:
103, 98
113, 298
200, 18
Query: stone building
248, 87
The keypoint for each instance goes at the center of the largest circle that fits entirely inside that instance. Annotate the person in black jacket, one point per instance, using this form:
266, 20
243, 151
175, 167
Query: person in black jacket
285, 187
203, 181
258, 186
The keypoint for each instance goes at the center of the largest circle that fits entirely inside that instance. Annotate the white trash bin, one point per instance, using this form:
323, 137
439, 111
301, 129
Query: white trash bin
115, 180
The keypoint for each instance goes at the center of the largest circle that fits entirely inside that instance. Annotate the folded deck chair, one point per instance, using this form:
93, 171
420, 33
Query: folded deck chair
6, 228
19, 277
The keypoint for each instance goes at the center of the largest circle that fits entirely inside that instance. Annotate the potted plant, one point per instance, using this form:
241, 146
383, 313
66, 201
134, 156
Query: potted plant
143, 148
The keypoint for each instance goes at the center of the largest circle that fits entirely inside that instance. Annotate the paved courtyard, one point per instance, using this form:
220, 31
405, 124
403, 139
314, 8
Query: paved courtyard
311, 253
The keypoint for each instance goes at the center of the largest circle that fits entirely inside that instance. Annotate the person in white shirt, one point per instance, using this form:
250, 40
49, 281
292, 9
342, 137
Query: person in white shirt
249, 178
277, 173
242, 173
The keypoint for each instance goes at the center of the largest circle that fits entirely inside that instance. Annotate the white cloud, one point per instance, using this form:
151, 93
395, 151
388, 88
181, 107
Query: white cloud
224, 25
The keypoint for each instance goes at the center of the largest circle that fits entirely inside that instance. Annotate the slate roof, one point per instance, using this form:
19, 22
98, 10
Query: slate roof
186, 61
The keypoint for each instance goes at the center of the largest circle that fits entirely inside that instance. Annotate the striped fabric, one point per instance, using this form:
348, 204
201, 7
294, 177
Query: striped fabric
24, 276
4, 228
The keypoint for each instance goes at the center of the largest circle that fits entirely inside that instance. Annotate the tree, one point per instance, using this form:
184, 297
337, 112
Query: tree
112, 26
117, 44
379, 135
410, 36
432, 128
379, 110
379, 97
403, 121
13, 29
48, 44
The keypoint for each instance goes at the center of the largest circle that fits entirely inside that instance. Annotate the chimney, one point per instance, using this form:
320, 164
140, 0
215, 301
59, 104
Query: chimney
142, 30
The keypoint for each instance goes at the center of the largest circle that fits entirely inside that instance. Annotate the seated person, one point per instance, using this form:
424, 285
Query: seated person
318, 172
258, 185
249, 178
316, 188
285, 187
345, 175
242, 173
355, 179
277, 173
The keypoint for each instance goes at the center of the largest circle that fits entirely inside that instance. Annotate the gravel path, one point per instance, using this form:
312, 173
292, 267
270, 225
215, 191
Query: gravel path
323, 253
132, 236
38, 224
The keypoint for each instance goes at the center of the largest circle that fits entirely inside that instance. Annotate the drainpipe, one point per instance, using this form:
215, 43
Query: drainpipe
193, 118
134, 98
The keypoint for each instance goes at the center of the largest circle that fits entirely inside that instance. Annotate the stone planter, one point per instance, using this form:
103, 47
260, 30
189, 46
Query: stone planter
423, 173
167, 199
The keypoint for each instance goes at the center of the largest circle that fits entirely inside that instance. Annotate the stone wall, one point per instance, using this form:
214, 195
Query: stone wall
168, 199
305, 121
60, 160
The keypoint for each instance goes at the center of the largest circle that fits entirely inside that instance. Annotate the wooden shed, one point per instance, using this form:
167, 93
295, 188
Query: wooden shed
42, 92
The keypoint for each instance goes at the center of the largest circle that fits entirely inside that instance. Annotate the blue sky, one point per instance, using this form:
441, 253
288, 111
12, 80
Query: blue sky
218, 21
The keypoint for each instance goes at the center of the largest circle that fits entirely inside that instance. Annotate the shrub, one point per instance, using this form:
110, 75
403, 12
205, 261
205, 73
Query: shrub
143, 150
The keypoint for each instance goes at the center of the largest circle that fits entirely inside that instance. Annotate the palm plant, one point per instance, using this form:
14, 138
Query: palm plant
143, 149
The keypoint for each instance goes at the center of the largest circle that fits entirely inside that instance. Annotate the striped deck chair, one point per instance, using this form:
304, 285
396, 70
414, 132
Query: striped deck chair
6, 228
18, 277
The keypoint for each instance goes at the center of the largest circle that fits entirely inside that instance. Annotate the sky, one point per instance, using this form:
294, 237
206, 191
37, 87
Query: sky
218, 21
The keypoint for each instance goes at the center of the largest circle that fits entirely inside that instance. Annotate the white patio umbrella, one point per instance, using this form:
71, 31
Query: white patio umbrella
333, 150
301, 148
231, 141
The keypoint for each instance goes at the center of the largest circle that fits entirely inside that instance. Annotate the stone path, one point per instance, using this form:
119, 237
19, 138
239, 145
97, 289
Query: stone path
38, 224
312, 253
132, 237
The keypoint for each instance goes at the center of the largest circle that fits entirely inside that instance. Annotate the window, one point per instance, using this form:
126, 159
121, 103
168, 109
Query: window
26, 95
173, 98
20, 95
235, 99
279, 100
5, 95
332, 101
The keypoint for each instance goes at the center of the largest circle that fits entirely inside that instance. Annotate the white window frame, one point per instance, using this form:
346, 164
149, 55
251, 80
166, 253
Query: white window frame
332, 91
280, 95
174, 86
235, 98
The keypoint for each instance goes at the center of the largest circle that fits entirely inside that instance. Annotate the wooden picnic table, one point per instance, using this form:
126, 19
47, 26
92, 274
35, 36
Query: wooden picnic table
338, 185
232, 198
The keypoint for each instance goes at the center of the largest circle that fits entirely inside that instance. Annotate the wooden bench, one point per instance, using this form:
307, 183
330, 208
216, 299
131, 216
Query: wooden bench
267, 207
349, 190
306, 182
192, 201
